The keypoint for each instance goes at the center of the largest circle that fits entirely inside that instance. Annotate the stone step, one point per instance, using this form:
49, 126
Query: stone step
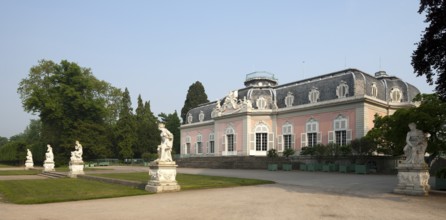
53, 175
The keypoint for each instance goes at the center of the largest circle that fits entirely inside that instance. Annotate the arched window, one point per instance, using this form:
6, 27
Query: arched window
288, 136
211, 147
289, 99
187, 145
312, 136
261, 132
374, 90
342, 90
199, 144
189, 118
230, 139
261, 103
341, 133
396, 95
313, 95
201, 116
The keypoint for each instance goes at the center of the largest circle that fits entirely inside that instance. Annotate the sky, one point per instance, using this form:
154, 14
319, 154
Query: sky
159, 48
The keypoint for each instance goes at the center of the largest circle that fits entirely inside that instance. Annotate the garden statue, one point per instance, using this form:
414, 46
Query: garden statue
48, 164
165, 148
76, 155
413, 172
29, 156
29, 160
416, 145
163, 171
49, 156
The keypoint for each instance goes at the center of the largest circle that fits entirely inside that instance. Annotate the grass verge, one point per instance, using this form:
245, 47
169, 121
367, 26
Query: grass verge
19, 172
189, 181
60, 190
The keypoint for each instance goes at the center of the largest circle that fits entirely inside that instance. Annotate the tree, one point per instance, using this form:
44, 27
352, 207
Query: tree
72, 105
173, 123
3, 141
125, 128
389, 132
429, 58
196, 95
146, 129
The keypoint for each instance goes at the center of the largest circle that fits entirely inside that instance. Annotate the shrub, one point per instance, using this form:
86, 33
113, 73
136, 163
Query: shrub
272, 153
288, 152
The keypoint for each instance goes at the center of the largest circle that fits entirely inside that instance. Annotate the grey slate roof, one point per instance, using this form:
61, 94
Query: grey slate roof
359, 83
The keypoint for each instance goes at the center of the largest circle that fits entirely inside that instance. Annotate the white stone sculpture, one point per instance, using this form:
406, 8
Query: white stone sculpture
416, 144
76, 164
165, 148
48, 164
413, 172
29, 160
163, 171
76, 155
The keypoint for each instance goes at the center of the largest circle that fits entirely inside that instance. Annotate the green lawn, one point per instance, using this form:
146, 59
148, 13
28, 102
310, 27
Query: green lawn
189, 181
5, 166
59, 190
19, 172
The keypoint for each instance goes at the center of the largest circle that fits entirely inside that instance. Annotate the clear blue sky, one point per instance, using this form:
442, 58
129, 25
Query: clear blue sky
158, 48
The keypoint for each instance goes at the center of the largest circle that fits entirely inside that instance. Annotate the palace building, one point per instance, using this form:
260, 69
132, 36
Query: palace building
331, 108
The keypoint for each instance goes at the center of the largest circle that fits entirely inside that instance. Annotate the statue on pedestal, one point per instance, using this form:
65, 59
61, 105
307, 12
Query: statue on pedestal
413, 172
49, 156
416, 145
29, 160
76, 155
163, 171
165, 148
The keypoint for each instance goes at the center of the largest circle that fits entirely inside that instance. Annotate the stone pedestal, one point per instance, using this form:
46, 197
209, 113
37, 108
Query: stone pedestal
76, 168
48, 166
413, 180
29, 165
162, 177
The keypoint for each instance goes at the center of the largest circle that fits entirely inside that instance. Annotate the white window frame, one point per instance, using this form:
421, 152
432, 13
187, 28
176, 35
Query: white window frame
229, 131
340, 124
289, 99
187, 145
342, 90
199, 144
311, 129
201, 116
313, 95
189, 118
374, 90
261, 103
396, 92
211, 143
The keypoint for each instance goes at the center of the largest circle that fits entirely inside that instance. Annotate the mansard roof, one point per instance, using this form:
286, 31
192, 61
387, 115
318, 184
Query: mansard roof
357, 83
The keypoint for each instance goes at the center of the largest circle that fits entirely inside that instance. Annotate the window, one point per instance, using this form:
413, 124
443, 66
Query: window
313, 96
201, 116
261, 103
395, 95
199, 145
189, 118
261, 137
230, 139
312, 136
211, 147
341, 134
374, 90
289, 99
288, 137
187, 146
342, 90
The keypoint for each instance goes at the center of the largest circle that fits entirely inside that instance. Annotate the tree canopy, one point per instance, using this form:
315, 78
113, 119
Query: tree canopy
390, 131
196, 95
429, 58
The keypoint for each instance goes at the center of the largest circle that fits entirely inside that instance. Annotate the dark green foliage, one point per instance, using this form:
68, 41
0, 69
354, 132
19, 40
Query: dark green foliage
147, 131
196, 95
272, 153
173, 123
13, 152
126, 128
288, 152
363, 146
3, 141
389, 132
441, 173
72, 105
429, 58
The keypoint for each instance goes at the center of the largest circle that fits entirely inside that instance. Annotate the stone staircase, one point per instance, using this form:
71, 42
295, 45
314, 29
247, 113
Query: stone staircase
53, 175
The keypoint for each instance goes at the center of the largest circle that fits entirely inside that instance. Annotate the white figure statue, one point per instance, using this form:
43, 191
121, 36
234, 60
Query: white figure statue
29, 156
49, 156
165, 148
416, 145
76, 155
